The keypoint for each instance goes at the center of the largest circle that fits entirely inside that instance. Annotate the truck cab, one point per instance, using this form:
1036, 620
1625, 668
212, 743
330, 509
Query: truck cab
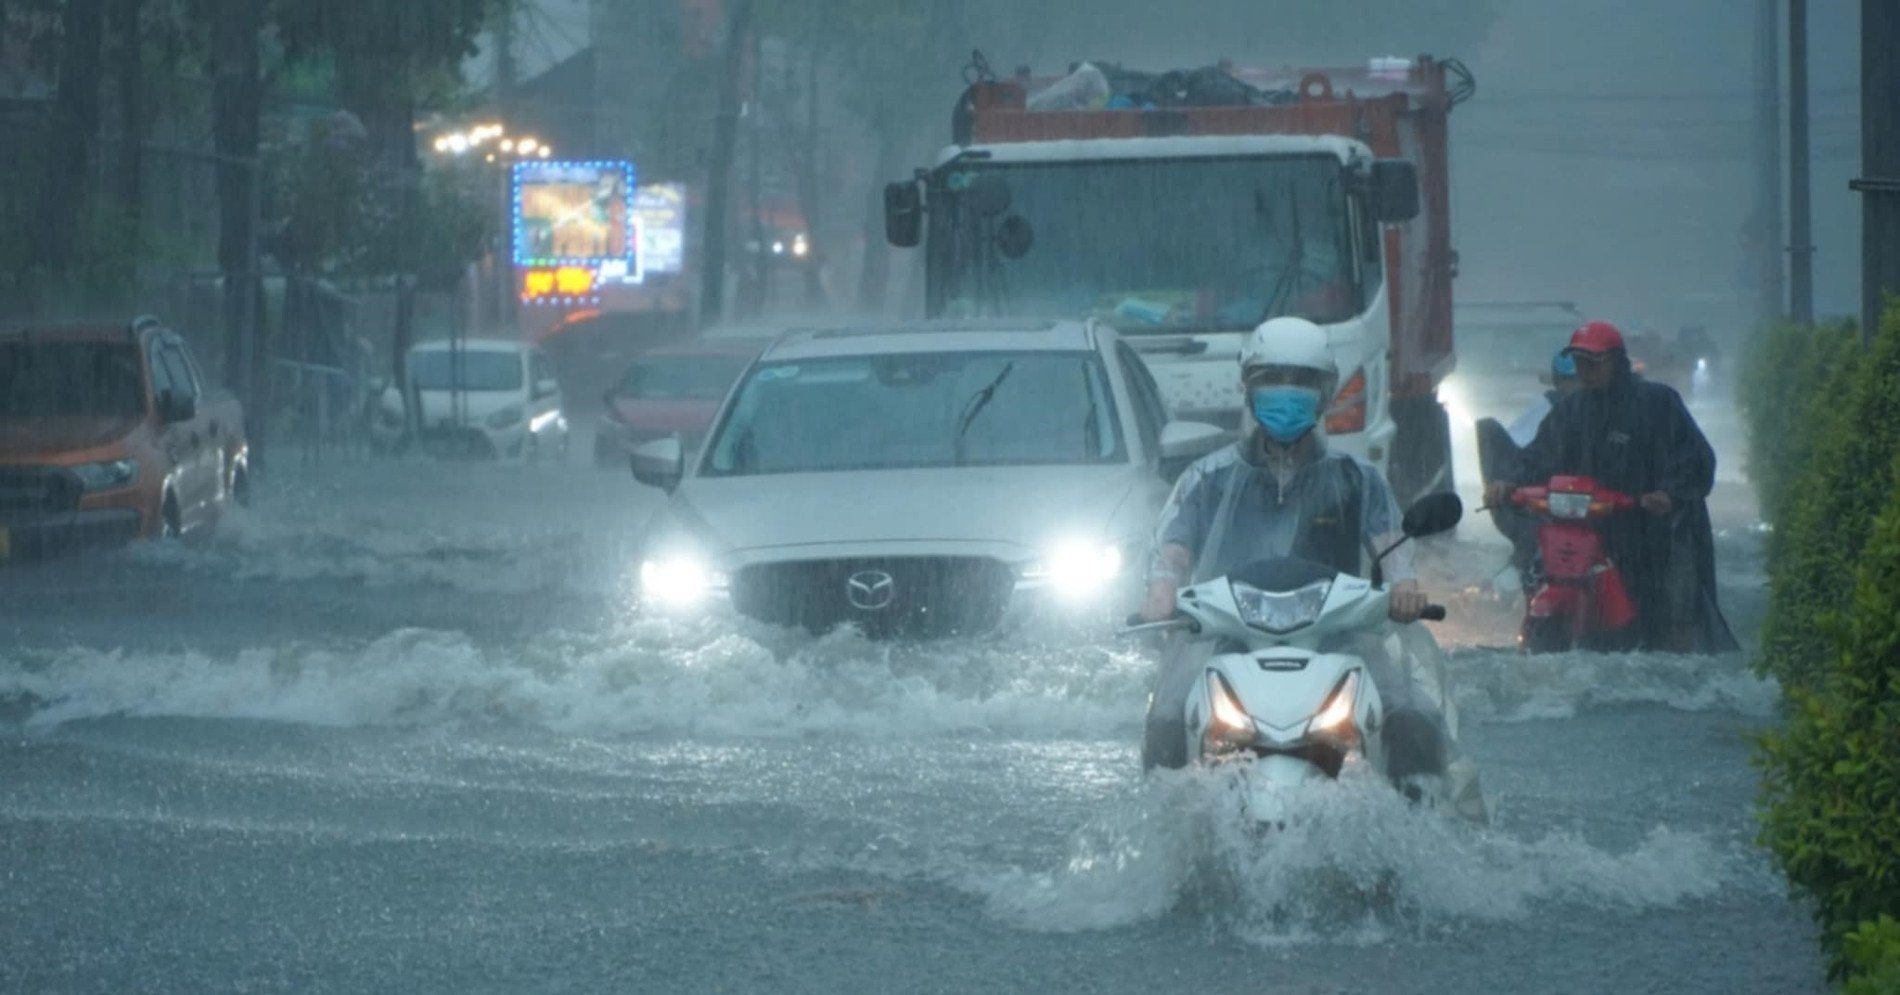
1185, 227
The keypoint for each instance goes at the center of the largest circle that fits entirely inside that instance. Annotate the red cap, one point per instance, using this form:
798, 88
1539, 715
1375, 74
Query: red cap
1595, 336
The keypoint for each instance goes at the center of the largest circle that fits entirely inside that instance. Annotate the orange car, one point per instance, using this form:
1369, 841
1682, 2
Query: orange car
110, 433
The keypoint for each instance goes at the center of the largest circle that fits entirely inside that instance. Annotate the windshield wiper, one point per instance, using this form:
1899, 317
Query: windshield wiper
975, 405
1295, 262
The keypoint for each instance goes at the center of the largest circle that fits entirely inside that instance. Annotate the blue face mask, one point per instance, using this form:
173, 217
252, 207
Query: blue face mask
1286, 413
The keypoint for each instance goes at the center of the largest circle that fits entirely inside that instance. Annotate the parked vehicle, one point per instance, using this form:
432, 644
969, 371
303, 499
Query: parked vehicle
480, 398
109, 434
1577, 598
671, 390
919, 480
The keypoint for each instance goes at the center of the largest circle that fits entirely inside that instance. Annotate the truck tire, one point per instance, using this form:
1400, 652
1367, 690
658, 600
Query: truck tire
1421, 449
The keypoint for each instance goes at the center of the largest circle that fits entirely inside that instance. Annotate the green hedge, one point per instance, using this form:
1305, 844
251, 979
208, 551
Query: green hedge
1782, 392
1833, 476
1831, 775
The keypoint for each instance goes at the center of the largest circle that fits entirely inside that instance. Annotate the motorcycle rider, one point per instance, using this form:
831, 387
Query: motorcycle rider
1498, 448
1635, 436
1279, 492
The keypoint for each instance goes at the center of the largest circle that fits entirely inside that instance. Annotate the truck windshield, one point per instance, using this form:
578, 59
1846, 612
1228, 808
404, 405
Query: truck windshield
436, 369
70, 380
918, 410
1151, 245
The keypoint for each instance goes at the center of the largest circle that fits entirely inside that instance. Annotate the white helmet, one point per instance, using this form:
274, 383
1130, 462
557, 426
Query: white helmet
1294, 343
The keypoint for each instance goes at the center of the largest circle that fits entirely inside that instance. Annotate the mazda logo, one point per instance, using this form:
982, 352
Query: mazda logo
871, 590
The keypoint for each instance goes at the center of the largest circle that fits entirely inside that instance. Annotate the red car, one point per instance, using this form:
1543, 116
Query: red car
674, 389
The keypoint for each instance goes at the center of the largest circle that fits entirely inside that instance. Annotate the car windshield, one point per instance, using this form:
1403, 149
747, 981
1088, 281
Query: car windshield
673, 378
918, 410
70, 379
1152, 244
443, 369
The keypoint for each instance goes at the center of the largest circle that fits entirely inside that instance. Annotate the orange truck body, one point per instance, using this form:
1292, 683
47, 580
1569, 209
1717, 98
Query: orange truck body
156, 451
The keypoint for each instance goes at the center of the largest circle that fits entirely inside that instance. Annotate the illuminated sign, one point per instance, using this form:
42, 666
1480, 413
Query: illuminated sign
574, 215
661, 211
560, 285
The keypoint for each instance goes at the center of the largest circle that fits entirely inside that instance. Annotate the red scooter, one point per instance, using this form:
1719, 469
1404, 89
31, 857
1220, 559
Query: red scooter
1577, 598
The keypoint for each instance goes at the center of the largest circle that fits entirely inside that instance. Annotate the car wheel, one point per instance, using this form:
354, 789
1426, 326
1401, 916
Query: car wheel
170, 524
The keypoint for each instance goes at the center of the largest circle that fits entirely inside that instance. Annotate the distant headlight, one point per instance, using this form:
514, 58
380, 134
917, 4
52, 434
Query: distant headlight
1076, 569
1281, 613
507, 417
107, 476
679, 581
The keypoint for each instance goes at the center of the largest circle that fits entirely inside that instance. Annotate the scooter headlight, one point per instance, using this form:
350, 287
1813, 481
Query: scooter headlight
1339, 708
1228, 724
1281, 612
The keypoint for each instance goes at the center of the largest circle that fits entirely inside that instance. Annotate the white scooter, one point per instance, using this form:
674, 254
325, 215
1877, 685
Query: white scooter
1283, 692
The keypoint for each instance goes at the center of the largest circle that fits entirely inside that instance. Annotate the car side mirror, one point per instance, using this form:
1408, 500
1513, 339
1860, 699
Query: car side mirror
174, 407
1394, 190
903, 214
1190, 439
546, 388
660, 463
1432, 514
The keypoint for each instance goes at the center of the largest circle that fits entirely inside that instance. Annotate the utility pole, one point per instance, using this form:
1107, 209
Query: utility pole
1768, 247
712, 294
1879, 183
506, 69
1800, 219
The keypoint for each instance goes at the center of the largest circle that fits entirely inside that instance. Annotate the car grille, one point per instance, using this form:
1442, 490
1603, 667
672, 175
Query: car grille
37, 489
924, 596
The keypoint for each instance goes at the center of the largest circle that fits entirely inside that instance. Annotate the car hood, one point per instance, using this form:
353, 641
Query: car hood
439, 405
1007, 512
53, 436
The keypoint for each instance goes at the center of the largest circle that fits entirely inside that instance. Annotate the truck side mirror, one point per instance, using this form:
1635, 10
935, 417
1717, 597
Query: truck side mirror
1394, 190
903, 214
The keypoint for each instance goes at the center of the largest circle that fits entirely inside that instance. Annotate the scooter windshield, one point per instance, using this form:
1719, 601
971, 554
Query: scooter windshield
1281, 574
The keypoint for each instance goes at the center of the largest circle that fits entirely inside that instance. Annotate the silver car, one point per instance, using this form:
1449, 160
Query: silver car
919, 479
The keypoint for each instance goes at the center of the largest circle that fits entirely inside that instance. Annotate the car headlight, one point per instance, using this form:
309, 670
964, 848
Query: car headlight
107, 476
506, 417
1076, 569
1281, 612
679, 581
1339, 708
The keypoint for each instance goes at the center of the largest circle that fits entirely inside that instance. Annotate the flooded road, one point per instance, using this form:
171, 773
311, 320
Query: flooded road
398, 727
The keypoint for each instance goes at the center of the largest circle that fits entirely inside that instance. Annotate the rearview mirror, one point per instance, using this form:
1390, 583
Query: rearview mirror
903, 214
1432, 514
660, 463
174, 407
1394, 190
1190, 439
1014, 237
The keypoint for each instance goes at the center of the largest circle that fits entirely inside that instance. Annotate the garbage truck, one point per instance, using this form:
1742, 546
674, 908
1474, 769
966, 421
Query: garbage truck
1183, 208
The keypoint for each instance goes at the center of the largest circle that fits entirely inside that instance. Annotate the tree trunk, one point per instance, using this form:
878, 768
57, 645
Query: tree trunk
127, 16
236, 102
69, 149
712, 295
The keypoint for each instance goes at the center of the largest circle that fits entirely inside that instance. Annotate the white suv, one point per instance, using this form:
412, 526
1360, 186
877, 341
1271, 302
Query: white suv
478, 397
916, 480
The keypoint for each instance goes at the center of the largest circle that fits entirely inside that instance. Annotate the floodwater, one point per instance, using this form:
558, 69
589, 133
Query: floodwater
398, 728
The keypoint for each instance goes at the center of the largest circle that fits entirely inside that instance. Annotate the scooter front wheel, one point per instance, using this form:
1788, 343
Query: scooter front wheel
1545, 635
